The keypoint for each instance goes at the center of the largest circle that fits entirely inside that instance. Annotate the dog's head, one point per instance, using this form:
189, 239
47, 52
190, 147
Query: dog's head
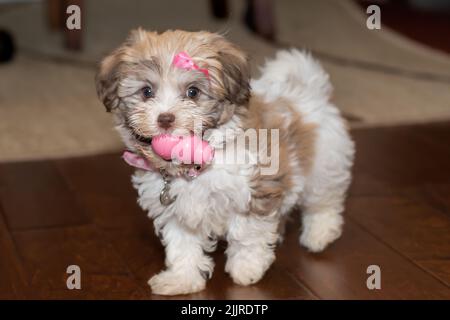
150, 93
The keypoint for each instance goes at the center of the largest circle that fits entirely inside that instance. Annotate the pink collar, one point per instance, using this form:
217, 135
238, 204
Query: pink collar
136, 161
139, 162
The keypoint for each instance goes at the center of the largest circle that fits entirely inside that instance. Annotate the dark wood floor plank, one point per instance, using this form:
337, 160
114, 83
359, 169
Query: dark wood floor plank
48, 252
405, 172
34, 195
437, 134
412, 228
390, 159
440, 198
102, 184
439, 267
12, 274
339, 272
106, 175
435, 195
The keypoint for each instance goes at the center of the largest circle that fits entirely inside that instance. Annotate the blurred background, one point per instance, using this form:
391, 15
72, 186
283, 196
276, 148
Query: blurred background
48, 106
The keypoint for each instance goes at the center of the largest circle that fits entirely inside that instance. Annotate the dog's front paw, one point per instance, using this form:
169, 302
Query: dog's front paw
247, 270
171, 283
320, 229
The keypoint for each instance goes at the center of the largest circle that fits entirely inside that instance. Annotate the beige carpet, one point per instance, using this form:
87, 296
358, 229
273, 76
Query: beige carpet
376, 97
48, 106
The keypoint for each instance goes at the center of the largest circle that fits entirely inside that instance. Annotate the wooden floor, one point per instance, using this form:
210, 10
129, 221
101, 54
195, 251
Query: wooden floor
83, 211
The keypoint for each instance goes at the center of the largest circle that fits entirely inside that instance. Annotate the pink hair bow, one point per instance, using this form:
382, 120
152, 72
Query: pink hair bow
184, 61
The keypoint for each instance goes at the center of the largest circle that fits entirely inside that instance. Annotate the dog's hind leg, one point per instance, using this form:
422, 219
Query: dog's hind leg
320, 227
251, 243
326, 186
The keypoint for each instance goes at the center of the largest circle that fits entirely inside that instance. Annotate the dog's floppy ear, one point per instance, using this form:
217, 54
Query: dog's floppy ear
108, 75
107, 80
235, 71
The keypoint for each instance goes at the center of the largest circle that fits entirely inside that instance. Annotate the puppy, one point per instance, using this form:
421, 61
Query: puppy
149, 95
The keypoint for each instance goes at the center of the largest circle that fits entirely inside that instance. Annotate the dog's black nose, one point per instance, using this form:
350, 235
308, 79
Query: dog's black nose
166, 119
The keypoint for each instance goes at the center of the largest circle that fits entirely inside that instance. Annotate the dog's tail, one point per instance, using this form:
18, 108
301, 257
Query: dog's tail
296, 76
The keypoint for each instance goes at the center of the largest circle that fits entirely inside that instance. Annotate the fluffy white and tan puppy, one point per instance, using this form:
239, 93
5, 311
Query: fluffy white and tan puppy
233, 200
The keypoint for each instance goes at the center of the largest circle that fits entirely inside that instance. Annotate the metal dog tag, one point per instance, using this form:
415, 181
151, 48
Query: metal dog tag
164, 196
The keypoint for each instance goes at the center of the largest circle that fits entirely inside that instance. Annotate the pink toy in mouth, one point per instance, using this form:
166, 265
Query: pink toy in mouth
183, 149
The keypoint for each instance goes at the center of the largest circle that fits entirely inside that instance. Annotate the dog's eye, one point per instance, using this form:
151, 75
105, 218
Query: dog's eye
147, 92
192, 92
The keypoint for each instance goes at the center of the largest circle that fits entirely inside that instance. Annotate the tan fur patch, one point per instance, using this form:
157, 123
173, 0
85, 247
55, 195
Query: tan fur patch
295, 136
